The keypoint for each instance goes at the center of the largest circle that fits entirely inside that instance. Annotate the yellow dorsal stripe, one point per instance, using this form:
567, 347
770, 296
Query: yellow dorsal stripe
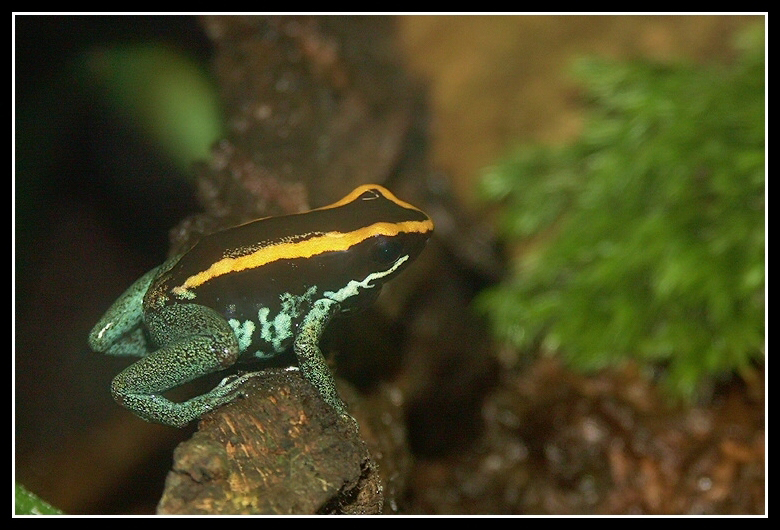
328, 242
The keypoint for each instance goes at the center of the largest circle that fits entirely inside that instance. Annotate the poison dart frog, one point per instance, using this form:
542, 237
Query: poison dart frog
253, 292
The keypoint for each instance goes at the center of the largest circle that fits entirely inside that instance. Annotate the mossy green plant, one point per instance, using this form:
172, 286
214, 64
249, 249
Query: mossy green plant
644, 238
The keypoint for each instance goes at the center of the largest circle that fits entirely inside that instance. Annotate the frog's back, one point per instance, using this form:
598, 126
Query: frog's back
326, 248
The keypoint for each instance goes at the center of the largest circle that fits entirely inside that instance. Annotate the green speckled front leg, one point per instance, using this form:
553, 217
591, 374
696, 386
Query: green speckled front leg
196, 341
310, 359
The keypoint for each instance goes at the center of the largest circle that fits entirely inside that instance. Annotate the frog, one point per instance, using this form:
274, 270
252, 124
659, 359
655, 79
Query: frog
252, 293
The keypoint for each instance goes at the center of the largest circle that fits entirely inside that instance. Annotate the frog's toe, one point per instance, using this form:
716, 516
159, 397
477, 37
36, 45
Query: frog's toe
233, 381
346, 416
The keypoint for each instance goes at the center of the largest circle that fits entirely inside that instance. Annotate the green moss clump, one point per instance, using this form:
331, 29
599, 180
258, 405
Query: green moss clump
648, 230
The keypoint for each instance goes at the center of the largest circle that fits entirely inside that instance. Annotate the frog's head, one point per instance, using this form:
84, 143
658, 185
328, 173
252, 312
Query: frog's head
373, 236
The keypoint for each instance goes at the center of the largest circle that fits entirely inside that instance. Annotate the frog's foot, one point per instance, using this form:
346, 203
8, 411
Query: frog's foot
231, 386
233, 382
156, 408
347, 417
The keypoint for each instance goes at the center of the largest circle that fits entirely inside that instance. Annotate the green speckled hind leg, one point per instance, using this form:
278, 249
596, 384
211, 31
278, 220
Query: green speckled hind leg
196, 341
119, 331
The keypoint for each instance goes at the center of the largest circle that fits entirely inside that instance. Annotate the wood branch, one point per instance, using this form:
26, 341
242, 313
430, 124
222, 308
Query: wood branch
279, 450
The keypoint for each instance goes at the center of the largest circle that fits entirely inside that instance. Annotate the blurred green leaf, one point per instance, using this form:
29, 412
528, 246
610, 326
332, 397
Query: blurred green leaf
163, 92
27, 503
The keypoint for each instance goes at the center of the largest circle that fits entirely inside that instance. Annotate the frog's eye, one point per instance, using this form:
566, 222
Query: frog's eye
386, 250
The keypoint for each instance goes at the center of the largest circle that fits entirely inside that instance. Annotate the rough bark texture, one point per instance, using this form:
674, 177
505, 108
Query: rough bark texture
280, 450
